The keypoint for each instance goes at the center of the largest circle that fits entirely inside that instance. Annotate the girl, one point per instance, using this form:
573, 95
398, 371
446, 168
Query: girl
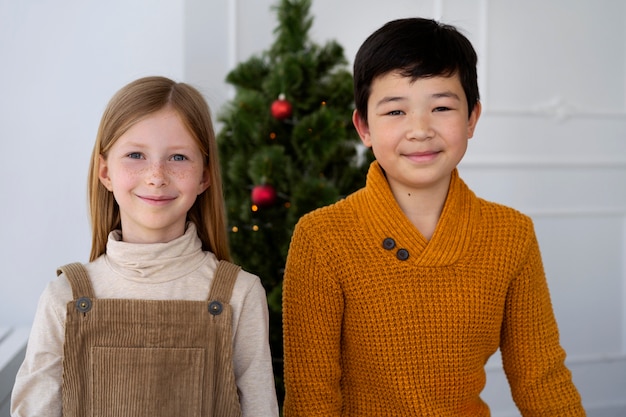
157, 323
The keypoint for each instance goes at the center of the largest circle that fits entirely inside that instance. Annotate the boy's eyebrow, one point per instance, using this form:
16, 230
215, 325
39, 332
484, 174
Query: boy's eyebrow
443, 94
446, 94
389, 99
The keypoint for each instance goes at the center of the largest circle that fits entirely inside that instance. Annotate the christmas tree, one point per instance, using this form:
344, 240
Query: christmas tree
287, 146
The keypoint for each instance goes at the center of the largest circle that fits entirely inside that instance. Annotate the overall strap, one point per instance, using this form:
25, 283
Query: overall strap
223, 282
79, 280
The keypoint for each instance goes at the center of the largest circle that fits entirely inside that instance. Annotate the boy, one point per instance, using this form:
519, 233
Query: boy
395, 297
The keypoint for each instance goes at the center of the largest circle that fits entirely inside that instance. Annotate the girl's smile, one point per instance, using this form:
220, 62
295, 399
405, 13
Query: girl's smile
157, 200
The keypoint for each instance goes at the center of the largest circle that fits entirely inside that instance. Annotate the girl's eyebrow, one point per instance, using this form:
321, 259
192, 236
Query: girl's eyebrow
133, 144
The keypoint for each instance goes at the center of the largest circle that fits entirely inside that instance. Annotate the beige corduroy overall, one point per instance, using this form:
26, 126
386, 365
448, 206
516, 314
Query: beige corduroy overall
151, 358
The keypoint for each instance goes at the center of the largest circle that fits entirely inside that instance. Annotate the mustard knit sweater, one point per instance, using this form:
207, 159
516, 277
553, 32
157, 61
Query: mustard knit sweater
378, 321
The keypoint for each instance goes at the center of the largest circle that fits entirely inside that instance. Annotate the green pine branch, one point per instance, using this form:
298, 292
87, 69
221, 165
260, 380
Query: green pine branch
311, 158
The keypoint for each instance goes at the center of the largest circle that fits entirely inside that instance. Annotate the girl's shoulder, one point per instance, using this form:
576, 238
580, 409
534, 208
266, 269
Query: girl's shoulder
247, 280
55, 297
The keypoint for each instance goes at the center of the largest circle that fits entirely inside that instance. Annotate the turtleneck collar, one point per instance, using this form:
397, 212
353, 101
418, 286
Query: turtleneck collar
156, 262
384, 219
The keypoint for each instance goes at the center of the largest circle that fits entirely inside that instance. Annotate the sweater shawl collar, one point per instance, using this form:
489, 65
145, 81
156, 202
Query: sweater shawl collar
155, 262
385, 219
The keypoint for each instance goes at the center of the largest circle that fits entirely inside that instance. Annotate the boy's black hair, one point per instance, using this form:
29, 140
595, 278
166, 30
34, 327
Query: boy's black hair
417, 48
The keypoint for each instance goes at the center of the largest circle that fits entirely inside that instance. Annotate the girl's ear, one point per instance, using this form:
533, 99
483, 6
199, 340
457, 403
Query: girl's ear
205, 182
103, 173
362, 128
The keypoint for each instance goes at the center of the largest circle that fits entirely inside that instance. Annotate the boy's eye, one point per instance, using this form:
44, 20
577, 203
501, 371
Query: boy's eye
395, 113
179, 157
441, 108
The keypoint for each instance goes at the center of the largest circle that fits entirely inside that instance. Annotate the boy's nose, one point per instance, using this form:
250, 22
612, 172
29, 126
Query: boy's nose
419, 128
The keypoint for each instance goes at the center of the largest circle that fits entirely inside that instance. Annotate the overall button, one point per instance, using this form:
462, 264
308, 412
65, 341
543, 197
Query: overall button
215, 308
402, 254
83, 304
389, 243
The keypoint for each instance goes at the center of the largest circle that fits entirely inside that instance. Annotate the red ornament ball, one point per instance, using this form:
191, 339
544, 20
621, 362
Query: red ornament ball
281, 108
263, 195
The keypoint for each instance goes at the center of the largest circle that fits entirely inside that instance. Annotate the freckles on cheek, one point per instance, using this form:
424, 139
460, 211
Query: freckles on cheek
128, 176
186, 173
183, 175
179, 174
131, 174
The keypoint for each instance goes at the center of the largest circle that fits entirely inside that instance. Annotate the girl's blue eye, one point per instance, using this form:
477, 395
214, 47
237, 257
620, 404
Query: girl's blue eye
179, 157
134, 155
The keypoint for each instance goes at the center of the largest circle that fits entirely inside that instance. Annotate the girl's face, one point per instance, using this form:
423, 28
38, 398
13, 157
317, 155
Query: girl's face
417, 129
155, 171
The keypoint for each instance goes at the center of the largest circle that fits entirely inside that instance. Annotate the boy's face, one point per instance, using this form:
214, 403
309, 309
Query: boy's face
418, 130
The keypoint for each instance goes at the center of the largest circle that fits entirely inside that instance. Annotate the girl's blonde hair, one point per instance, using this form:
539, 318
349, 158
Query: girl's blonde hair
129, 105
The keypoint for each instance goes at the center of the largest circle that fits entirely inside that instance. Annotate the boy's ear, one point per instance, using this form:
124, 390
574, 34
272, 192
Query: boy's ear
103, 173
473, 119
362, 128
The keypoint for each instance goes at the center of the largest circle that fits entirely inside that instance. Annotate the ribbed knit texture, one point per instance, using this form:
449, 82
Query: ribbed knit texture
369, 334
149, 357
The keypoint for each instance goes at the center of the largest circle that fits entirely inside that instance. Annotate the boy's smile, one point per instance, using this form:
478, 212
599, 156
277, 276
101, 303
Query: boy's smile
418, 130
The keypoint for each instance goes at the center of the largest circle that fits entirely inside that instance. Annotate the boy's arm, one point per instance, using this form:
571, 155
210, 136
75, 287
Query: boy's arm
312, 316
37, 389
533, 358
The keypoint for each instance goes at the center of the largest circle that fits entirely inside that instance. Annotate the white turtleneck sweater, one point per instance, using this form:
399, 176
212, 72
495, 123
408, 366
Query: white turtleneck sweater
175, 270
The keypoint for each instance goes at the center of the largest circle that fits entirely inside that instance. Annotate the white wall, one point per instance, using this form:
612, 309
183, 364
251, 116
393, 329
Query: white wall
551, 141
60, 63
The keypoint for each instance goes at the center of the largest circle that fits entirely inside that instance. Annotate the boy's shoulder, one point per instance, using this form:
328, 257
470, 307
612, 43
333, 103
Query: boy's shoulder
340, 212
497, 206
498, 216
496, 213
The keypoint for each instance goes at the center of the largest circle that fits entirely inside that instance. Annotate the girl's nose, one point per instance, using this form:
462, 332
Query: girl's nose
157, 175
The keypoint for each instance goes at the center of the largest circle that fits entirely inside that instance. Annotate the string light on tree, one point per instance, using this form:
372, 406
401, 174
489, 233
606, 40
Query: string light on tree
281, 108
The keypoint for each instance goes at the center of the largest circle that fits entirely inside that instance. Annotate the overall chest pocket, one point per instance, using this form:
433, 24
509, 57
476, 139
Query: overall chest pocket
155, 382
